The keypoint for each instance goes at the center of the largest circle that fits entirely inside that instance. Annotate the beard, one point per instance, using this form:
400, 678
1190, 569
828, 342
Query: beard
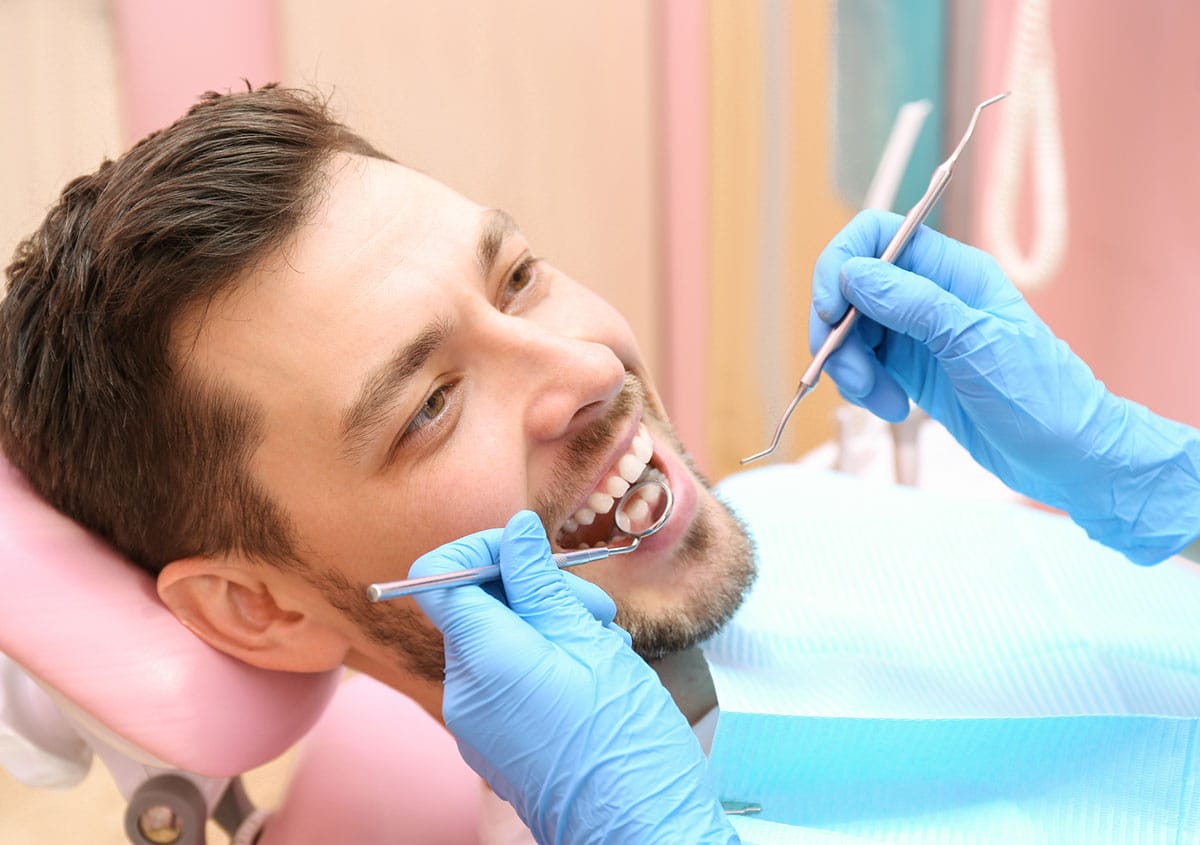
708, 605
716, 549
717, 544
402, 631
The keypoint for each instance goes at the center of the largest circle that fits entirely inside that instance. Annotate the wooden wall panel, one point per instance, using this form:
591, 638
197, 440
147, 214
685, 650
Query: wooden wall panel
59, 91
544, 108
747, 394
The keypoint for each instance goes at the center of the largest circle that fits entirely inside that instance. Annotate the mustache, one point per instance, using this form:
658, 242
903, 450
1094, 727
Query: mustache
585, 454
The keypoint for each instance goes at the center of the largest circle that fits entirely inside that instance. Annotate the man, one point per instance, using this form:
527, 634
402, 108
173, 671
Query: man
272, 366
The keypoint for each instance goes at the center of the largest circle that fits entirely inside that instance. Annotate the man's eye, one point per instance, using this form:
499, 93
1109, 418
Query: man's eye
430, 410
522, 276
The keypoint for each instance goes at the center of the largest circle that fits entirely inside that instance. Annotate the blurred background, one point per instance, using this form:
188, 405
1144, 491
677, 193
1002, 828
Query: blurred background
690, 158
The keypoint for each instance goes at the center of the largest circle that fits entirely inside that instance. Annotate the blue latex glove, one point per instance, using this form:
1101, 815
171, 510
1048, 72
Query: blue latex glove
551, 706
957, 338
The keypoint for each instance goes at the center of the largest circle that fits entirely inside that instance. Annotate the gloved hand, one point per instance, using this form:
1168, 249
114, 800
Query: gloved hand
957, 338
551, 706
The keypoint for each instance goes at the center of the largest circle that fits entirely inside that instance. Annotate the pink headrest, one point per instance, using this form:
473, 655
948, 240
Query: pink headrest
90, 626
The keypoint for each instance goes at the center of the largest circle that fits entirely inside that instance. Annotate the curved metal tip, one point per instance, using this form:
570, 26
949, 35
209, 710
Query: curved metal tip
374, 593
758, 456
803, 389
971, 126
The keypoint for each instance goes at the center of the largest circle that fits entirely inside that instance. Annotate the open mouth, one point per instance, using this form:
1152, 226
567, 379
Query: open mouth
596, 523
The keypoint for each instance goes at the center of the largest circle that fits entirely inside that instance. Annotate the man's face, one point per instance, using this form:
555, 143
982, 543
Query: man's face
423, 375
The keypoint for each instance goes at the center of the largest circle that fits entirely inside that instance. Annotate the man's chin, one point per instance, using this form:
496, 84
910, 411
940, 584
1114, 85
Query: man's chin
718, 558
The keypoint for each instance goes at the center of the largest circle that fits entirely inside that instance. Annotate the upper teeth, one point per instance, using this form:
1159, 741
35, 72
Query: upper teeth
627, 470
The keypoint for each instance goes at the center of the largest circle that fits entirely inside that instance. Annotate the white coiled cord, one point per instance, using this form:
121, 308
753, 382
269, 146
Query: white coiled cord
1029, 124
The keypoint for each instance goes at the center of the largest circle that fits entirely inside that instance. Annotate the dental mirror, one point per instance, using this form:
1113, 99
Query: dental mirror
643, 510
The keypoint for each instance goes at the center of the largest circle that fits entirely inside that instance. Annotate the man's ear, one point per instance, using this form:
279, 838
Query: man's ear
254, 612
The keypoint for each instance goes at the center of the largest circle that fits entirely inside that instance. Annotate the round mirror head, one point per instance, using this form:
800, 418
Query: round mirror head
645, 508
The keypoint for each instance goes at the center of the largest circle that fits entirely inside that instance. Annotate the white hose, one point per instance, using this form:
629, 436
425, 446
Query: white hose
1029, 124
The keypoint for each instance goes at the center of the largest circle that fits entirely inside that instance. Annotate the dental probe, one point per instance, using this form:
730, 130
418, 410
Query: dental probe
915, 217
478, 575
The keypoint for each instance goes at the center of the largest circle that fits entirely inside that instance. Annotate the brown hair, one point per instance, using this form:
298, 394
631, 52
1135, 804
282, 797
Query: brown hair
93, 409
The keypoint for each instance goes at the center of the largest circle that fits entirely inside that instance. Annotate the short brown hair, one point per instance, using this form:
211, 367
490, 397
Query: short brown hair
93, 409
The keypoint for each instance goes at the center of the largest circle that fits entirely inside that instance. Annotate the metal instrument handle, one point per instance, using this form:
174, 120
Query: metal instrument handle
481, 574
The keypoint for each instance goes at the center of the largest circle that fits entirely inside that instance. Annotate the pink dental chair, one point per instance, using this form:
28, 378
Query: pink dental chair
96, 664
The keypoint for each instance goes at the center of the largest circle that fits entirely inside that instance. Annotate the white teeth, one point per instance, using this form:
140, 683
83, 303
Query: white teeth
639, 511
600, 502
630, 467
651, 493
622, 520
635, 516
617, 486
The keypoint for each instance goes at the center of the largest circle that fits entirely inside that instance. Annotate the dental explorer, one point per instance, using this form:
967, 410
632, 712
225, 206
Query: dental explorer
915, 217
478, 575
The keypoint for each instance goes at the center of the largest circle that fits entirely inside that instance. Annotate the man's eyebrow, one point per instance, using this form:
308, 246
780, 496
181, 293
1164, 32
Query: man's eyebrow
497, 225
373, 403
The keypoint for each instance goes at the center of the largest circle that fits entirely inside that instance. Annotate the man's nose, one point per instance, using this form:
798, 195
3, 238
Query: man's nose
565, 383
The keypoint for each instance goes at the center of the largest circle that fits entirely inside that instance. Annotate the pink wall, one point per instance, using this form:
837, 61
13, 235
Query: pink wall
172, 51
683, 128
1127, 298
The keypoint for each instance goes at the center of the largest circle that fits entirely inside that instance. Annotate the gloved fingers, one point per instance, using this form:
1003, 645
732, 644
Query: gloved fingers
860, 377
867, 235
883, 396
850, 364
597, 602
869, 332
483, 549
621, 632
906, 302
539, 591
467, 616
968, 273
886, 399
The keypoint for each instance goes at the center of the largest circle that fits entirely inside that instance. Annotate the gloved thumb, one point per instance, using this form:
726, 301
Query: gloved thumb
456, 610
541, 593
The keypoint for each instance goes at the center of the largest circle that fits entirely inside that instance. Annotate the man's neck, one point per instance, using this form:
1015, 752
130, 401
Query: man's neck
684, 674
426, 693
686, 677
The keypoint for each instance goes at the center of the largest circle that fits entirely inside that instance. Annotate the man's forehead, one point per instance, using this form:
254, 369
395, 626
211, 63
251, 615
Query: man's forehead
372, 219
376, 228
371, 200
